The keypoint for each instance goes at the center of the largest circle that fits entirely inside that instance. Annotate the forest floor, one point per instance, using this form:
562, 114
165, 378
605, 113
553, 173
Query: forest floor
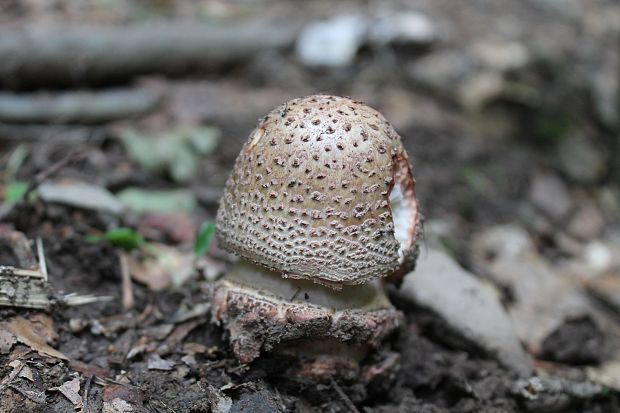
510, 113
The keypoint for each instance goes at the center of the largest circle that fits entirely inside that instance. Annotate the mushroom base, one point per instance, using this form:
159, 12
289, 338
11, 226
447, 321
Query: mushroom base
262, 312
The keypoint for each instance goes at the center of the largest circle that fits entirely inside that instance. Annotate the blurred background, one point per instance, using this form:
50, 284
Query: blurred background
131, 113
509, 110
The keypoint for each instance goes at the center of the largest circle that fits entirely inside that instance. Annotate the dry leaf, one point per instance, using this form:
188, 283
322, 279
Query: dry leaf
165, 266
176, 337
117, 406
44, 326
26, 332
71, 390
26, 373
155, 362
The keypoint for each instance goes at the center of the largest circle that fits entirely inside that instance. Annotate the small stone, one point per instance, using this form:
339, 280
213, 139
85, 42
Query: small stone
502, 56
467, 305
333, 42
77, 325
549, 194
598, 256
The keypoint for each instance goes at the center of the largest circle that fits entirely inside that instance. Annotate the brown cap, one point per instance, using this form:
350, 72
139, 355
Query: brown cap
322, 190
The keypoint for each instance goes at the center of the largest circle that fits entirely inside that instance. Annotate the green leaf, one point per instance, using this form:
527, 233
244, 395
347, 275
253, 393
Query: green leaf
174, 152
125, 238
204, 139
14, 191
15, 161
204, 238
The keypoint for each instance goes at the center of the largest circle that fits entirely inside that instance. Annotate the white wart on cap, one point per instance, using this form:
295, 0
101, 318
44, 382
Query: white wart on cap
322, 190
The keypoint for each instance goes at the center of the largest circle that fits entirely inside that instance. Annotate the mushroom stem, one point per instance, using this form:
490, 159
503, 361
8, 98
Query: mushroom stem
244, 275
261, 311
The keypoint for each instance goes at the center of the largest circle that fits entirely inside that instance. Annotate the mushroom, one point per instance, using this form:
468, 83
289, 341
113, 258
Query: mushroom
320, 206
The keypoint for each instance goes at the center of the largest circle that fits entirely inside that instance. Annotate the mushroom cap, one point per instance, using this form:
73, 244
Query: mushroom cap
317, 192
263, 313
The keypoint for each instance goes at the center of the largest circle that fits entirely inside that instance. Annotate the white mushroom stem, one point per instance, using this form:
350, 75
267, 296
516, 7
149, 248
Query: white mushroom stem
264, 312
261, 282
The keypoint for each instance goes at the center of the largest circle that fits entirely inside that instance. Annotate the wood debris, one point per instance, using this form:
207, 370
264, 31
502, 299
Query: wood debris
26, 284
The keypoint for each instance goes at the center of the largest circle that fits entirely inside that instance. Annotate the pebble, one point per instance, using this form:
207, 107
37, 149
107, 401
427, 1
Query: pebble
333, 42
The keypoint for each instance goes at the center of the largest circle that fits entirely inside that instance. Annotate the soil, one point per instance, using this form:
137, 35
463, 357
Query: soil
433, 369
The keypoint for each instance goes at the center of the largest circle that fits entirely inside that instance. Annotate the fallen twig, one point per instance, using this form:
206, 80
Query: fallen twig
33, 56
73, 299
76, 107
42, 261
127, 290
56, 133
29, 287
85, 397
20, 287
344, 397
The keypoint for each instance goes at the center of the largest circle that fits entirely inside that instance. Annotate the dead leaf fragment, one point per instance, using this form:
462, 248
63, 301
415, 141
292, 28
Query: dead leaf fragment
71, 390
165, 266
157, 363
177, 336
26, 373
89, 370
129, 394
194, 348
34, 336
220, 403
